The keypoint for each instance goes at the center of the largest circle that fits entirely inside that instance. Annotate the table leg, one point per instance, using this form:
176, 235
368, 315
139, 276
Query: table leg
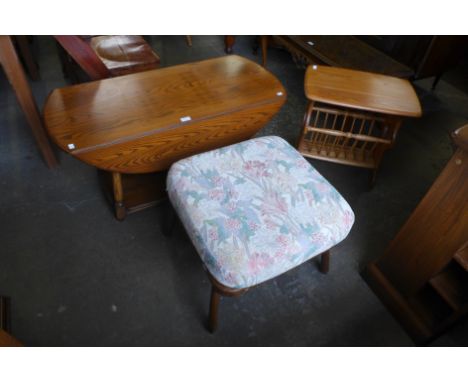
229, 42
16, 77
120, 211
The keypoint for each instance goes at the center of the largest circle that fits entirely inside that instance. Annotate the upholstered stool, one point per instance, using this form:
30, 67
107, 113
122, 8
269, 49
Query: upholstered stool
255, 210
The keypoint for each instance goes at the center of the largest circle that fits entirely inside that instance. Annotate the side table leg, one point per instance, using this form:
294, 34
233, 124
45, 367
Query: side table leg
120, 211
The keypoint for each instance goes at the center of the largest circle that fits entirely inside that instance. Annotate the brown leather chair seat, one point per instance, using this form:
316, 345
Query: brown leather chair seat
124, 54
105, 56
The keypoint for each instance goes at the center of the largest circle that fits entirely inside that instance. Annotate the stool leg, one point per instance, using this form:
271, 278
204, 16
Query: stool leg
214, 303
325, 262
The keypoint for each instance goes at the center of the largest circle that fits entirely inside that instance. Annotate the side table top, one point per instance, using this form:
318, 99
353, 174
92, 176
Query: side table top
101, 122
361, 90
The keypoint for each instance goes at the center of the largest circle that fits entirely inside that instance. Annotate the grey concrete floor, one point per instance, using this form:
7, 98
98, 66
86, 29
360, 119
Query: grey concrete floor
77, 276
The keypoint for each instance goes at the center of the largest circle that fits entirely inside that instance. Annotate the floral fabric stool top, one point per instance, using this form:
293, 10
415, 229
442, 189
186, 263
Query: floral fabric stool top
255, 210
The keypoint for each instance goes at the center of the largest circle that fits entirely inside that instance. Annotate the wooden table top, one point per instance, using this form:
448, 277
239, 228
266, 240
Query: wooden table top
361, 90
92, 117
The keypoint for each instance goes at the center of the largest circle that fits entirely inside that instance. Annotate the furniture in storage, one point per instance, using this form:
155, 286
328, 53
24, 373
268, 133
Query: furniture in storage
353, 117
106, 56
15, 74
422, 277
339, 51
412, 57
255, 210
142, 123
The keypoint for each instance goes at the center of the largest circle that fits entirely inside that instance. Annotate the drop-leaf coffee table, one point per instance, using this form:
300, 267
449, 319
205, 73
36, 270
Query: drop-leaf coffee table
142, 123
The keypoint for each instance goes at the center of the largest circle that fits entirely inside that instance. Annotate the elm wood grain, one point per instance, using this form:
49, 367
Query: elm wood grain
419, 277
353, 117
15, 74
132, 124
362, 91
439, 226
104, 118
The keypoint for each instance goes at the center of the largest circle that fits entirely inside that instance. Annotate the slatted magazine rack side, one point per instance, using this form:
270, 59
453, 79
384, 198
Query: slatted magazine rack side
347, 136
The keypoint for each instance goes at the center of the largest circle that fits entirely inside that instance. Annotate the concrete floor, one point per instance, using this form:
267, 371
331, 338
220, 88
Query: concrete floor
77, 276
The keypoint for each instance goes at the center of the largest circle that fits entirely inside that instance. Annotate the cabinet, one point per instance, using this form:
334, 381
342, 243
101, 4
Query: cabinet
422, 277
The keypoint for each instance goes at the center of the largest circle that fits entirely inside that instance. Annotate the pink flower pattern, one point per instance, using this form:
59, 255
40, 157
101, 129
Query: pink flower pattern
245, 224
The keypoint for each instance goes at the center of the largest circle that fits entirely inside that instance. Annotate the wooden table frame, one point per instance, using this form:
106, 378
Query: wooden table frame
353, 117
15, 74
138, 125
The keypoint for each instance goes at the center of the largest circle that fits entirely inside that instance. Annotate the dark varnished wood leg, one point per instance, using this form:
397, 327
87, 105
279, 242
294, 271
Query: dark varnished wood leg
120, 211
214, 304
15, 74
229, 43
325, 262
218, 290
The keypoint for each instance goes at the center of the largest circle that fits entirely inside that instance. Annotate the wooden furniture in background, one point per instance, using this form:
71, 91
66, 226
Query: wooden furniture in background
23, 45
341, 51
5, 338
107, 56
353, 117
422, 277
143, 122
15, 74
427, 56
412, 57
229, 42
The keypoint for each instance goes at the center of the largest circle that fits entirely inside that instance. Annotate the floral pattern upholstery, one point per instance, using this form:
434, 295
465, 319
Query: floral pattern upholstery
256, 209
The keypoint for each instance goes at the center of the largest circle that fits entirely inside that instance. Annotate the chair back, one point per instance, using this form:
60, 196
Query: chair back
84, 56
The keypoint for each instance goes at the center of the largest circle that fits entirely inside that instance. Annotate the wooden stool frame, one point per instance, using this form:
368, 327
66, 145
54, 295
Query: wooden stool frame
218, 289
